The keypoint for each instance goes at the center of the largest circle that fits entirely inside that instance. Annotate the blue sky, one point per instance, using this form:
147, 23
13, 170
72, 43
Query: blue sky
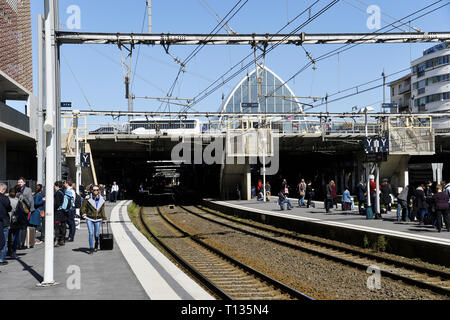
98, 69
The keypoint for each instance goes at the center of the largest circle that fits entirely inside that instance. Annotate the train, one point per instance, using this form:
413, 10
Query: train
164, 126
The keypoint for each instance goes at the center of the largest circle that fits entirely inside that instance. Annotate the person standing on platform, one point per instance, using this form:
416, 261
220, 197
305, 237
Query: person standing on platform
238, 192
93, 210
60, 214
373, 194
329, 196
70, 197
114, 191
420, 203
301, 191
441, 200
26, 197
309, 194
346, 200
5, 207
39, 205
334, 194
402, 204
385, 195
361, 192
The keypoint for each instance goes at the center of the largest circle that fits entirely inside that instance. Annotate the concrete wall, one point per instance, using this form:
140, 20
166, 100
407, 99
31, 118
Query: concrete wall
231, 175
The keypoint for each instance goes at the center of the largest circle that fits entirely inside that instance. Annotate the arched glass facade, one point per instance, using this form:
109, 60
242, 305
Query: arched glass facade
244, 97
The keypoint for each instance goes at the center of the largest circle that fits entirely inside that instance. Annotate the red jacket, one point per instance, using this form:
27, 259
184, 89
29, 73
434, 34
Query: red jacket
373, 187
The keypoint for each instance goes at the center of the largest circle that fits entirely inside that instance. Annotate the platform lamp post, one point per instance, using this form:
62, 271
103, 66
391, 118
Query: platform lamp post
369, 212
77, 156
264, 140
50, 127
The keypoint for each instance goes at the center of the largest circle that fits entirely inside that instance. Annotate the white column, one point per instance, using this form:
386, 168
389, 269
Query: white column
50, 128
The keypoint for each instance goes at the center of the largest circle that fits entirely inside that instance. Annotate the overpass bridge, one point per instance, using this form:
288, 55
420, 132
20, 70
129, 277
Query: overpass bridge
294, 145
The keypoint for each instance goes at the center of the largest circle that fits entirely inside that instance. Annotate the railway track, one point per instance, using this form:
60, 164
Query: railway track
223, 275
427, 278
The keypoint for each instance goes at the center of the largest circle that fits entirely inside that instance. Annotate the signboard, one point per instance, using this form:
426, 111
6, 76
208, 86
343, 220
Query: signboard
85, 160
376, 157
250, 104
376, 144
66, 104
389, 105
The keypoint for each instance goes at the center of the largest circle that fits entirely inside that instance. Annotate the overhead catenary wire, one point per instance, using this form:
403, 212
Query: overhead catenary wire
346, 47
76, 79
200, 97
199, 47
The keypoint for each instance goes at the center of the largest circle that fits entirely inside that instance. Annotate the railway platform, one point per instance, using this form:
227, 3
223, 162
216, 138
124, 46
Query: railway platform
404, 238
133, 270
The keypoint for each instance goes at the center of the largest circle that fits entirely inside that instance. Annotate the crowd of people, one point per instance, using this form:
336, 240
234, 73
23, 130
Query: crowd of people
22, 215
427, 203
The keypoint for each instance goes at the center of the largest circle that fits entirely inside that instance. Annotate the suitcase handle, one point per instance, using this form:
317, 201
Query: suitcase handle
107, 226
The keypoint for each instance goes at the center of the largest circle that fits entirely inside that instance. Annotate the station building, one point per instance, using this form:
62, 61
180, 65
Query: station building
17, 129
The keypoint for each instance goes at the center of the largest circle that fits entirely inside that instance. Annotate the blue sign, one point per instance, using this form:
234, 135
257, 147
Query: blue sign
66, 104
389, 105
375, 145
250, 104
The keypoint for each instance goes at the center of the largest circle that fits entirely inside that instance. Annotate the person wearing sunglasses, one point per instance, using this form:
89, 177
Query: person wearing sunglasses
93, 210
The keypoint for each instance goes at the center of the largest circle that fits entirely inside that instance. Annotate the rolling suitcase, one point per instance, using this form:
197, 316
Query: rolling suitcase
30, 238
106, 239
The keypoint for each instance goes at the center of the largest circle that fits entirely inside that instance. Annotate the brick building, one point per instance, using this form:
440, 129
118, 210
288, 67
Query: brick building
15, 41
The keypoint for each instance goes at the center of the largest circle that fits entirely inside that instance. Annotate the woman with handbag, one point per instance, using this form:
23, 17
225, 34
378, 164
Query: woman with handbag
38, 213
93, 210
18, 221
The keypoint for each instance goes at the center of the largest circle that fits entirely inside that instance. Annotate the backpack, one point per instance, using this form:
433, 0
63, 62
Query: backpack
69, 203
19, 218
77, 201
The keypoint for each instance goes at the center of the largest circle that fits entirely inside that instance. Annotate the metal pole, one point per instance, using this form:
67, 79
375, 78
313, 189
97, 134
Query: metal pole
77, 159
40, 134
149, 6
50, 127
58, 93
377, 181
369, 212
264, 168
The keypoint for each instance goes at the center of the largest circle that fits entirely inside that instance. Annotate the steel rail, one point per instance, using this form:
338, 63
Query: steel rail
422, 284
277, 284
204, 280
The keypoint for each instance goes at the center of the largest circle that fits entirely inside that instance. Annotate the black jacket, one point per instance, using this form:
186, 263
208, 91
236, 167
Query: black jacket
420, 202
309, 194
385, 191
5, 207
60, 214
361, 189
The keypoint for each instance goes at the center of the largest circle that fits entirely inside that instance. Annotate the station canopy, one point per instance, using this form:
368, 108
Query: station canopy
275, 95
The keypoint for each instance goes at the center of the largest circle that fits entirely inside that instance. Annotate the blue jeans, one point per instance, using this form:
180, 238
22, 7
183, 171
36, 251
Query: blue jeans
5, 247
93, 225
402, 204
281, 203
15, 240
422, 213
301, 201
